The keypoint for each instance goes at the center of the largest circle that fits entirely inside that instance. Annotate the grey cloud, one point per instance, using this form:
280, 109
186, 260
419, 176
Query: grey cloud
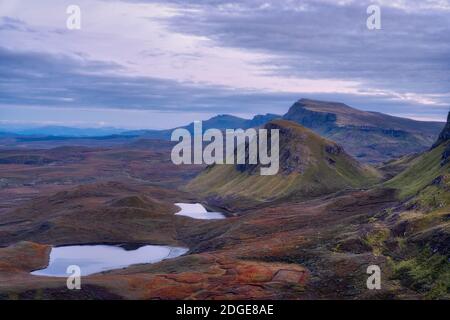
322, 39
30, 78
308, 39
8, 23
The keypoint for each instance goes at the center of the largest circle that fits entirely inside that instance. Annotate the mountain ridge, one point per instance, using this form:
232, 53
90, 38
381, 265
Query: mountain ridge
346, 115
445, 133
371, 137
309, 166
220, 121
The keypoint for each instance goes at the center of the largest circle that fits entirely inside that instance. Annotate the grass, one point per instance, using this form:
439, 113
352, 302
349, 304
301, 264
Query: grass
434, 196
376, 239
428, 205
426, 273
422, 171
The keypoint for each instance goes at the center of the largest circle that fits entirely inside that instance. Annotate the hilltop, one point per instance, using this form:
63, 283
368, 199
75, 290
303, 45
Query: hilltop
309, 166
371, 137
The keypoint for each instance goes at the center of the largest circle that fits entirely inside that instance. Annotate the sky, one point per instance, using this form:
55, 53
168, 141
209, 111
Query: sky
160, 64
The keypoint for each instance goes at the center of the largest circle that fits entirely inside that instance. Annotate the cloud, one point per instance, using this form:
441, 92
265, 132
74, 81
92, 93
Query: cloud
212, 56
8, 23
324, 39
63, 82
31, 78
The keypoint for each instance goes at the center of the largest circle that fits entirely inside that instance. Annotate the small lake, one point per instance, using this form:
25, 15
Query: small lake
197, 211
97, 258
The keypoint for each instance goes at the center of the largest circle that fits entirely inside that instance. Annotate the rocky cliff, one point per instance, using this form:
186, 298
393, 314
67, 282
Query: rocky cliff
445, 133
370, 137
444, 136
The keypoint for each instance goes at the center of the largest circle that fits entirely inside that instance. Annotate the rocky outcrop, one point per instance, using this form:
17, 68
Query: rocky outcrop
370, 137
446, 156
445, 133
308, 118
444, 137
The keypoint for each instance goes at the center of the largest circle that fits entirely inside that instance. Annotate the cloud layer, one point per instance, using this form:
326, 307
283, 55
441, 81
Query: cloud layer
240, 57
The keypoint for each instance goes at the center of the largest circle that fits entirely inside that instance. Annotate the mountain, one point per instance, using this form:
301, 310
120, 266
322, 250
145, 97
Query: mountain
221, 122
225, 121
371, 137
309, 166
260, 120
445, 133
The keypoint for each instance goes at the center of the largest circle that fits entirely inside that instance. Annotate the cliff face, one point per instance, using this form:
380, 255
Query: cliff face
444, 137
445, 133
446, 156
309, 118
370, 137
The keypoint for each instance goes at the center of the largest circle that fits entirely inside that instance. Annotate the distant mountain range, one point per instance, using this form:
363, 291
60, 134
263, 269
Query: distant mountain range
221, 122
370, 137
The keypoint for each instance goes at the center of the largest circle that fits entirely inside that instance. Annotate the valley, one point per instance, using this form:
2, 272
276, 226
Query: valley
309, 232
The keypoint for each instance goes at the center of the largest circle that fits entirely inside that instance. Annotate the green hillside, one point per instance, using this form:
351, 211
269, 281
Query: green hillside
421, 260
420, 173
309, 166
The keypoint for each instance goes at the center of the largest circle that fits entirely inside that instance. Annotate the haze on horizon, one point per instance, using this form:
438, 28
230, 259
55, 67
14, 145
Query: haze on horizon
160, 64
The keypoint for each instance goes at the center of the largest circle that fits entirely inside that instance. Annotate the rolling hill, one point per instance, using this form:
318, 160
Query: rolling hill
309, 166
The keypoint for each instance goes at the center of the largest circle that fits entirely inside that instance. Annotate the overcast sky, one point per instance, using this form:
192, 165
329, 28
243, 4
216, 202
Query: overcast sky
158, 64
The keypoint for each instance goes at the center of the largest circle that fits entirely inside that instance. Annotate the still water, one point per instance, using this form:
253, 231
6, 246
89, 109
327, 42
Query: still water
197, 211
97, 258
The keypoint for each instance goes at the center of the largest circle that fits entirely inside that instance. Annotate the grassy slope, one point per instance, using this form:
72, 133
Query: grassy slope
421, 172
422, 261
395, 166
319, 177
